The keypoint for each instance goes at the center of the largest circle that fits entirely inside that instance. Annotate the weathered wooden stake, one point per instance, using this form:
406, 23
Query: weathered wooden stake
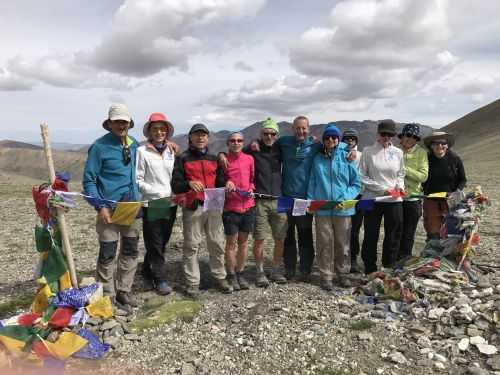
60, 211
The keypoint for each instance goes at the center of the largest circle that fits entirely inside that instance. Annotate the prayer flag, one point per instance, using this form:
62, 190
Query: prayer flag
351, 203
41, 301
366, 204
101, 308
184, 199
316, 205
438, 195
67, 344
94, 348
214, 199
15, 337
285, 204
300, 207
42, 238
61, 317
55, 265
158, 209
75, 298
125, 213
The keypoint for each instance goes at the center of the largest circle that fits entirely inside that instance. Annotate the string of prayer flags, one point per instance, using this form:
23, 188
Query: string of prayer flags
300, 207
125, 213
158, 209
350, 203
316, 205
185, 199
214, 199
285, 204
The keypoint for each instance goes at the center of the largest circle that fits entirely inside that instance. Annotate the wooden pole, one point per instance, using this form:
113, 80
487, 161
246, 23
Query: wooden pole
60, 211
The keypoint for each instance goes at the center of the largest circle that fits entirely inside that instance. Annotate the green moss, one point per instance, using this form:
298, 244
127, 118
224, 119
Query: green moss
157, 311
362, 324
15, 304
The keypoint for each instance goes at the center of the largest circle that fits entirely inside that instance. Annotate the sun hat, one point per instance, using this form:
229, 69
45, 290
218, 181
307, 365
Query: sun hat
198, 127
387, 126
350, 133
331, 130
439, 135
269, 123
158, 117
118, 111
410, 129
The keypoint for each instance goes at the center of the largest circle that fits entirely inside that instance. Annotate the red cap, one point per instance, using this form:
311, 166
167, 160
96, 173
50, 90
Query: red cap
158, 117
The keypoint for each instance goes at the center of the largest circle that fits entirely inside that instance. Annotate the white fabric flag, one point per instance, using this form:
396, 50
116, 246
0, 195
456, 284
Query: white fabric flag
214, 199
300, 207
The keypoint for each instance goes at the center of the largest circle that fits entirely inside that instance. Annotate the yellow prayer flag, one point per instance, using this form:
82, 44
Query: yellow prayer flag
438, 195
101, 308
41, 301
12, 345
351, 203
66, 345
125, 213
65, 281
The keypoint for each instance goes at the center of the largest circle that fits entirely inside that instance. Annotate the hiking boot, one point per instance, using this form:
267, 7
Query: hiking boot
162, 288
192, 291
121, 310
224, 286
344, 282
277, 275
242, 281
232, 281
290, 273
126, 298
305, 277
261, 280
326, 285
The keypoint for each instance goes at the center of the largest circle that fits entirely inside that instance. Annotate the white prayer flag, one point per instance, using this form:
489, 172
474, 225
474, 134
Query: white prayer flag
214, 199
300, 207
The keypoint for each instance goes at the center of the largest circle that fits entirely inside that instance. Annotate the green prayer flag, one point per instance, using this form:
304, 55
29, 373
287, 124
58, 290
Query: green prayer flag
55, 265
158, 209
42, 239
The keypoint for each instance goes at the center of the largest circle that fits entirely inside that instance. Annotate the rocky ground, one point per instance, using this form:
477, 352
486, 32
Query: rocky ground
287, 329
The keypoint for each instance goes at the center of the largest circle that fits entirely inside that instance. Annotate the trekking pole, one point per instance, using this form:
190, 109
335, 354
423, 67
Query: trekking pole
61, 219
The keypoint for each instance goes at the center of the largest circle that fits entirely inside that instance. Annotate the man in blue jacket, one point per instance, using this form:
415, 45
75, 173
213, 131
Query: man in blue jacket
109, 175
334, 179
297, 153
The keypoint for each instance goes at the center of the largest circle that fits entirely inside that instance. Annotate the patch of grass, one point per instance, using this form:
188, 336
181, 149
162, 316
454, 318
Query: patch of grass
362, 324
157, 311
13, 305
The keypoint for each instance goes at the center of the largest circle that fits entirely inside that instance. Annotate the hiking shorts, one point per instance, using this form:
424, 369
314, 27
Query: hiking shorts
266, 215
235, 222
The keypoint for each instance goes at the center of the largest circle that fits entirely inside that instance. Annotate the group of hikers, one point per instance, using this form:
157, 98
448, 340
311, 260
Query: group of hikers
254, 176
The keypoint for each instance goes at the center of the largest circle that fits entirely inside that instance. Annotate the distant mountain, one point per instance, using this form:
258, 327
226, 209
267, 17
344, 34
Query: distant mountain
478, 133
7, 143
64, 146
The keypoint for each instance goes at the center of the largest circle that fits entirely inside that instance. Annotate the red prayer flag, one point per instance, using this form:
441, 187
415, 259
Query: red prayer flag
61, 317
316, 205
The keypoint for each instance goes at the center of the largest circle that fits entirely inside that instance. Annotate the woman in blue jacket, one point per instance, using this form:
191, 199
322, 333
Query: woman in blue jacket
333, 179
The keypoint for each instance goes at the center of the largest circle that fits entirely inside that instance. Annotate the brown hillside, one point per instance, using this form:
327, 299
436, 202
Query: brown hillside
477, 125
31, 162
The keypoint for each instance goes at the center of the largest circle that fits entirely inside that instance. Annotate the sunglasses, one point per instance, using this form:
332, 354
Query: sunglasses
327, 137
386, 135
126, 155
269, 134
349, 139
442, 143
236, 141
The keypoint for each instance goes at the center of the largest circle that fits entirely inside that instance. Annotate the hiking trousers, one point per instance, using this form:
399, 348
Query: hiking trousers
126, 262
332, 245
393, 219
198, 224
306, 247
156, 235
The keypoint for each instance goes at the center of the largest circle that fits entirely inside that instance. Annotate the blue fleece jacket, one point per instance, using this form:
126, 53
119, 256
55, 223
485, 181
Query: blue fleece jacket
297, 158
105, 175
333, 178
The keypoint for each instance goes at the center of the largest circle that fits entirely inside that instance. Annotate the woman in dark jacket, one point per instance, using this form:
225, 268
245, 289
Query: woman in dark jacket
446, 174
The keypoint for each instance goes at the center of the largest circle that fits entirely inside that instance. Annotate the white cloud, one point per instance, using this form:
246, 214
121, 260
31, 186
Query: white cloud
13, 82
243, 66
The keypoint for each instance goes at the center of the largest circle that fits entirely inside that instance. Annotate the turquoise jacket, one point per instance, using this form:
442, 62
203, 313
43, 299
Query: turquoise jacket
297, 159
105, 175
334, 178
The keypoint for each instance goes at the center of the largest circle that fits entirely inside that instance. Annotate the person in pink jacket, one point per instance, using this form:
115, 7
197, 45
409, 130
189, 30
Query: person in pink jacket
239, 213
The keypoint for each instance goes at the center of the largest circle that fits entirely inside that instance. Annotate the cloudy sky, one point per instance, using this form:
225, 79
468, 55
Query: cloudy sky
229, 63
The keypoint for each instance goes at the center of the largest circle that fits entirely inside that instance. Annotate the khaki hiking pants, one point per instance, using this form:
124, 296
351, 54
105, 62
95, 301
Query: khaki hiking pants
197, 225
108, 235
333, 235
